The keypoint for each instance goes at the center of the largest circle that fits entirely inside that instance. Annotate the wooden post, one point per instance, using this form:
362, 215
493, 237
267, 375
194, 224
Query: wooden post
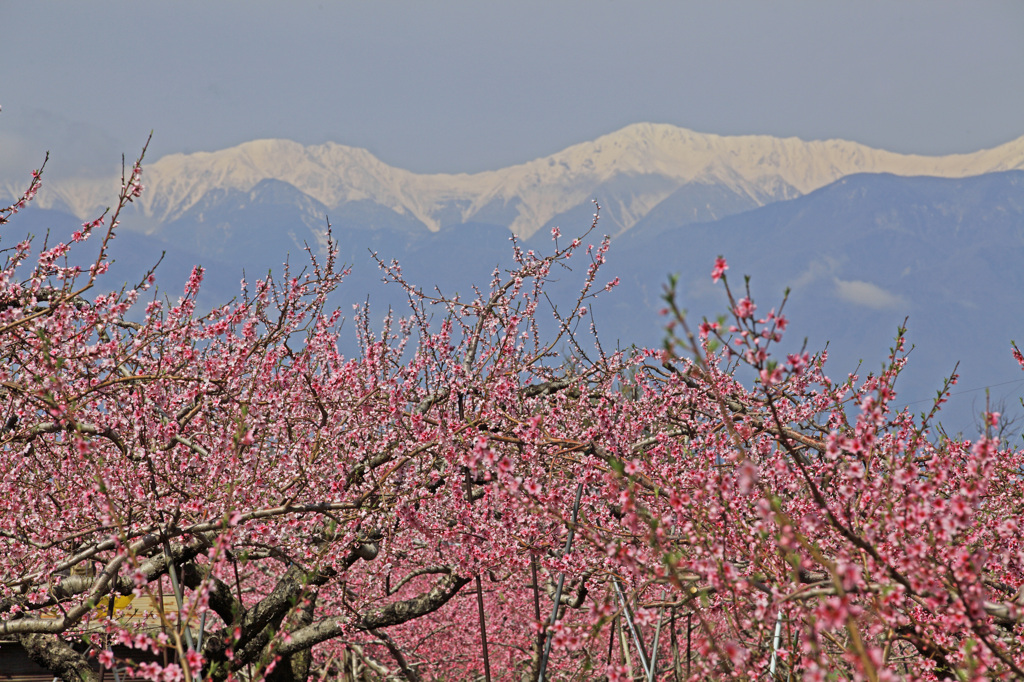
536, 588
483, 628
611, 638
689, 629
535, 669
675, 647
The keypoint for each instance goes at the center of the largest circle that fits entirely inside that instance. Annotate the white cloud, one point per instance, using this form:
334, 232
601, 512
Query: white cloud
867, 294
815, 271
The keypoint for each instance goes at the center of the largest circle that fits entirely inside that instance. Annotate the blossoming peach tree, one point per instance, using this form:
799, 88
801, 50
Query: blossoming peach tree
485, 489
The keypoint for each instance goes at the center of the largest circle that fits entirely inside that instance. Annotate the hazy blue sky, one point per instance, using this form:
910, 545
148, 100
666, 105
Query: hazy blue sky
468, 86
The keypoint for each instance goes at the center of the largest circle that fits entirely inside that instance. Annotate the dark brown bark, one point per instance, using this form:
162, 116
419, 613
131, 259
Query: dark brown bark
408, 671
386, 616
258, 624
943, 669
222, 601
295, 667
57, 656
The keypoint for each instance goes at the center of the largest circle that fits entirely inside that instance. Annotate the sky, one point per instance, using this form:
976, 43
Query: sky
460, 86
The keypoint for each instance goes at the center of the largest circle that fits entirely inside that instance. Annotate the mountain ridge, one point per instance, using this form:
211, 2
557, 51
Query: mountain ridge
631, 171
859, 256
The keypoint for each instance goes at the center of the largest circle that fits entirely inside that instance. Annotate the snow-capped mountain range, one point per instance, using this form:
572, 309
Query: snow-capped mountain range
633, 172
858, 240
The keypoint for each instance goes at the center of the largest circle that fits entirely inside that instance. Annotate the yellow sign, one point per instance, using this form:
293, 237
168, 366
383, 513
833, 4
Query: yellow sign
103, 606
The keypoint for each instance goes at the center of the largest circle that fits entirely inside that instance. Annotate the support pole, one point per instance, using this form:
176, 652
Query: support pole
624, 645
776, 642
632, 627
561, 582
483, 628
611, 638
654, 646
675, 646
689, 630
178, 597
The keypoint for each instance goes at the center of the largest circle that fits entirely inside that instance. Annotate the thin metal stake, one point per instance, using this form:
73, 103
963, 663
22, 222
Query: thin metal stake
776, 642
624, 644
654, 645
632, 627
202, 629
177, 594
561, 582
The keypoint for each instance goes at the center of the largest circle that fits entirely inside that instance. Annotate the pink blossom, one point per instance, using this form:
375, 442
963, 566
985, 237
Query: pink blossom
744, 308
707, 327
770, 377
719, 270
443, 451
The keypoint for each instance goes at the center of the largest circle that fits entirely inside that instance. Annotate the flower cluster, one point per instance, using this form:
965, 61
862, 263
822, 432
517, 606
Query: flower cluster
228, 496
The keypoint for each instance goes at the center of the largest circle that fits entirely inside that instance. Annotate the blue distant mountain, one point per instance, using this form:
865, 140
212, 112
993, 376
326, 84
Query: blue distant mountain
859, 255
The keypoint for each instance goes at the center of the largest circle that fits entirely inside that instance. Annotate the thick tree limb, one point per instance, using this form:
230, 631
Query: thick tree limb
410, 673
269, 611
56, 655
392, 614
70, 587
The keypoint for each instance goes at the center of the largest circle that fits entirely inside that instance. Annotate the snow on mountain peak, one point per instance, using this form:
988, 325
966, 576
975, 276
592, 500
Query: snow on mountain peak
756, 166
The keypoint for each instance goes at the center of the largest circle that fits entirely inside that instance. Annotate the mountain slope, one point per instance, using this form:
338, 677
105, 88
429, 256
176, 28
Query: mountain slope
631, 171
860, 256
